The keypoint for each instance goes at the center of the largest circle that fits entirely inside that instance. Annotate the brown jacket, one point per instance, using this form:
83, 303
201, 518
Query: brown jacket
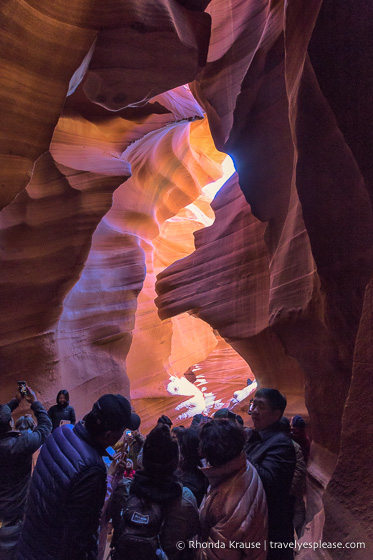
233, 514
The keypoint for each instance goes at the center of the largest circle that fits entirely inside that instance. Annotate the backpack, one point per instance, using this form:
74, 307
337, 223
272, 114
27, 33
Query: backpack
138, 534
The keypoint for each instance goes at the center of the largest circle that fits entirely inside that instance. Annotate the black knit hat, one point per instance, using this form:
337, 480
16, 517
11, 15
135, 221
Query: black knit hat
298, 422
161, 452
165, 420
115, 412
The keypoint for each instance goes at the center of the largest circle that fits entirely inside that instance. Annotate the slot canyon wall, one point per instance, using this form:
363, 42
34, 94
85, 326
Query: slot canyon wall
120, 270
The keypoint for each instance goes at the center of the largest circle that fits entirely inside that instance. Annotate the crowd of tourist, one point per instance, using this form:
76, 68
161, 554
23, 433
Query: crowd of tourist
213, 490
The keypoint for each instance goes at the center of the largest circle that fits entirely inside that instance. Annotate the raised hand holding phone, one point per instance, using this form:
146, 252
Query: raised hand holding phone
30, 396
117, 465
127, 439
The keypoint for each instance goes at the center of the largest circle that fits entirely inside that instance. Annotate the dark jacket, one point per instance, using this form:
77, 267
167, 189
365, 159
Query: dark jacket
16, 452
57, 413
301, 438
67, 492
181, 520
272, 454
195, 480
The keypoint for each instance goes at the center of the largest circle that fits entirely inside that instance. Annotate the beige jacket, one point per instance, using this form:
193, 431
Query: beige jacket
233, 514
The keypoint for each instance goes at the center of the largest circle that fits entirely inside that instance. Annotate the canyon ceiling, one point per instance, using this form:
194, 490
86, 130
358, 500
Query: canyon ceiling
120, 270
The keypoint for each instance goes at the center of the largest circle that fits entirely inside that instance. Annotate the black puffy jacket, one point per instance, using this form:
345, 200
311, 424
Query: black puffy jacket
58, 412
67, 492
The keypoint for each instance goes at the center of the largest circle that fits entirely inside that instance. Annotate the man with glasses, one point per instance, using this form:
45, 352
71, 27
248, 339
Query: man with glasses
273, 455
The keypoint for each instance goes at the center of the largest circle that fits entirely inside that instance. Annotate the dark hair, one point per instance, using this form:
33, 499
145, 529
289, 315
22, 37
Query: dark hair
5, 418
276, 400
285, 425
177, 431
165, 420
239, 419
221, 441
225, 413
198, 420
25, 422
189, 450
65, 394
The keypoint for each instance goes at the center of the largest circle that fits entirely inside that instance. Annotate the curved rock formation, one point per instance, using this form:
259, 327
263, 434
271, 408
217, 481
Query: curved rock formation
37, 31
299, 173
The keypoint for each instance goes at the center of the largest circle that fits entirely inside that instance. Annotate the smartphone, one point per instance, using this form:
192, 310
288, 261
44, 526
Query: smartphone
111, 452
128, 433
22, 388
